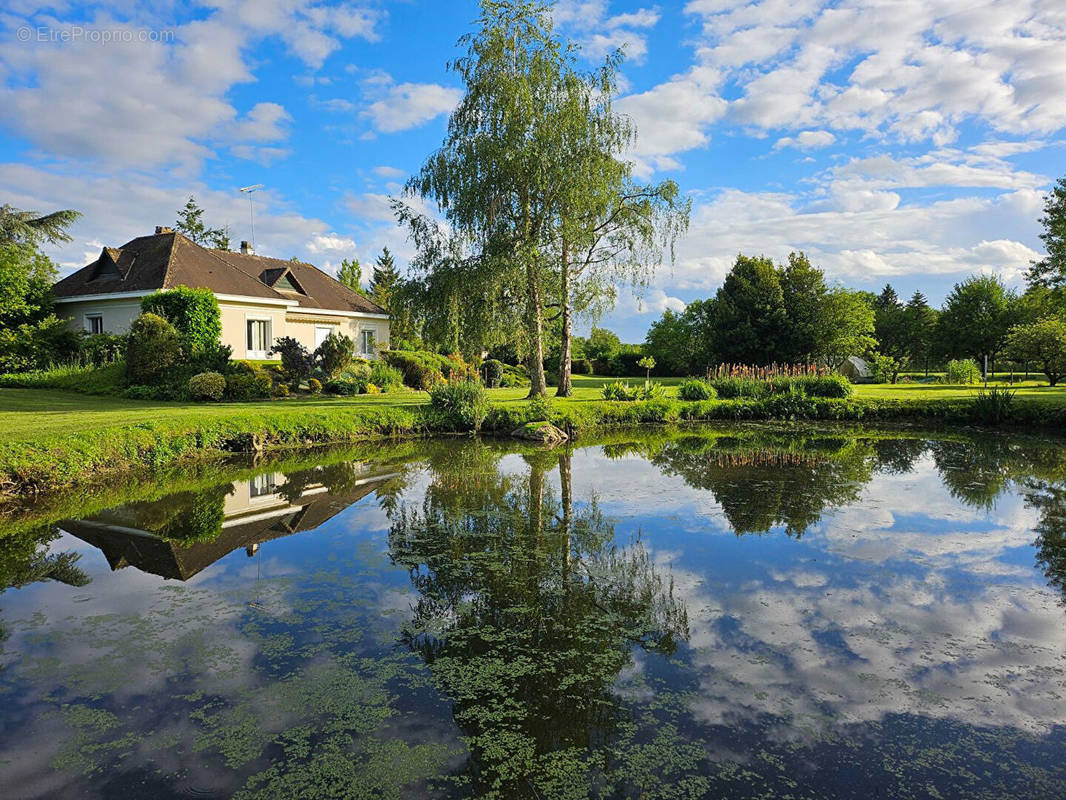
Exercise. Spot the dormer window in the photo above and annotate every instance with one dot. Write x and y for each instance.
(286, 284)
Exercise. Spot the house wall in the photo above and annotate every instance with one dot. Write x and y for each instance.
(298, 323)
(117, 314)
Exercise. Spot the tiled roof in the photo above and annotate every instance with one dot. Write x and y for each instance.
(168, 260)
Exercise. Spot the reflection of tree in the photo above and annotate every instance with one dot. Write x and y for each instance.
(1050, 500)
(193, 516)
(527, 613)
(977, 470)
(898, 456)
(24, 559)
(763, 483)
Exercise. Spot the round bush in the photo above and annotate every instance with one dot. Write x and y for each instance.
(244, 386)
(696, 389)
(207, 386)
(314, 385)
(281, 390)
(493, 372)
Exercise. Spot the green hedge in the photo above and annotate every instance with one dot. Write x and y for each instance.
(194, 312)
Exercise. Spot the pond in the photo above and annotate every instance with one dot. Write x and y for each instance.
(746, 611)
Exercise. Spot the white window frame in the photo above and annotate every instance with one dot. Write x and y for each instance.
(362, 342)
(91, 318)
(258, 355)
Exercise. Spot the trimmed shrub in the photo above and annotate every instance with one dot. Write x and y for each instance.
(422, 369)
(373, 388)
(207, 386)
(193, 312)
(281, 390)
(153, 347)
(460, 405)
(386, 378)
(335, 354)
(963, 370)
(492, 372)
(314, 386)
(248, 386)
(696, 389)
(360, 369)
(296, 361)
(344, 386)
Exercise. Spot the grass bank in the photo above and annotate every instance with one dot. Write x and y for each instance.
(51, 439)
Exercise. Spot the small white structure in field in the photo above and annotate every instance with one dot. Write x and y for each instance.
(856, 369)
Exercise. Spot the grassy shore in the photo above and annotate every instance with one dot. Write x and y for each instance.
(51, 439)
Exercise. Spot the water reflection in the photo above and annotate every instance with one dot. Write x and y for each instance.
(471, 618)
(527, 611)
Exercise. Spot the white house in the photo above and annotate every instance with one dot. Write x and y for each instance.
(261, 299)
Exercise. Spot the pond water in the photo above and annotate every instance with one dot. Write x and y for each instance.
(742, 612)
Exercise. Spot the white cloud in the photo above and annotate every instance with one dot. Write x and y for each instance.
(385, 171)
(143, 104)
(598, 32)
(806, 140)
(401, 106)
(330, 243)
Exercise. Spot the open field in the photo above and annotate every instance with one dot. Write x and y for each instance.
(29, 414)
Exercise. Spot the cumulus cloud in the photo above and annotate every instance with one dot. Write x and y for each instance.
(806, 140)
(401, 106)
(162, 101)
(598, 32)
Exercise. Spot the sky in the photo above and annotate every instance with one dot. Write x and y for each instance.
(902, 141)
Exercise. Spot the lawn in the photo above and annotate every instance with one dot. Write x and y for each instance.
(28, 414)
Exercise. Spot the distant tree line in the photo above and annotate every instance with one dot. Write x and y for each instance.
(787, 313)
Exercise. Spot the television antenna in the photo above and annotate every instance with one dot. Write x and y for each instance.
(250, 190)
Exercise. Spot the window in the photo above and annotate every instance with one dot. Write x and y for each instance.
(258, 338)
(369, 339)
(322, 333)
(94, 323)
(263, 485)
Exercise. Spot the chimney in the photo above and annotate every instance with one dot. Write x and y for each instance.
(246, 249)
(162, 229)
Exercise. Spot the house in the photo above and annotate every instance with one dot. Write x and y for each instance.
(261, 299)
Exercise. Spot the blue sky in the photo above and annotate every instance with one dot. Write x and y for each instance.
(909, 141)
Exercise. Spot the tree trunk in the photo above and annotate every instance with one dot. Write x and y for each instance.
(534, 326)
(565, 388)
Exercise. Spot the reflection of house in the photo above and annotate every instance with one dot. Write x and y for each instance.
(254, 511)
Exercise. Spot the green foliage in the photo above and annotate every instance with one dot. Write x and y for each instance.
(193, 312)
(540, 409)
(581, 366)
(884, 369)
(647, 362)
(207, 386)
(335, 354)
(423, 370)
(109, 379)
(964, 370)
(750, 313)
(314, 386)
(100, 349)
(296, 361)
(461, 405)
(976, 317)
(153, 349)
(190, 223)
(254, 385)
(31, 228)
(620, 391)
(492, 372)
(602, 345)
(994, 406)
(281, 390)
(351, 274)
(386, 377)
(682, 344)
(808, 385)
(26, 278)
(696, 389)
(652, 391)
(1043, 342)
(1050, 271)
(384, 284)
(38, 345)
(346, 387)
